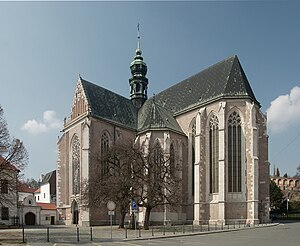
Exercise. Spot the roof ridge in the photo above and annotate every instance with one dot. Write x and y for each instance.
(106, 89)
(235, 58)
(196, 74)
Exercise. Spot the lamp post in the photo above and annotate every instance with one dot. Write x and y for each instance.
(287, 205)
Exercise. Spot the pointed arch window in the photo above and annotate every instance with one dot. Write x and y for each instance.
(104, 149)
(158, 164)
(172, 159)
(234, 153)
(157, 153)
(193, 156)
(76, 164)
(214, 154)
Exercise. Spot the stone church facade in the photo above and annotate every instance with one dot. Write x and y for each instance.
(211, 121)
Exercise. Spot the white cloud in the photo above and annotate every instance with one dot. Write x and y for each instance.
(284, 111)
(49, 122)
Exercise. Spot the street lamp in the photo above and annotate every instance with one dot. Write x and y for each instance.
(287, 204)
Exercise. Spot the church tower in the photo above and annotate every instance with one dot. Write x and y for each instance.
(138, 81)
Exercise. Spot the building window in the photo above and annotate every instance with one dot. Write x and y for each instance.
(193, 157)
(157, 165)
(44, 195)
(4, 186)
(75, 164)
(29, 202)
(4, 213)
(234, 153)
(214, 154)
(157, 153)
(172, 159)
(104, 149)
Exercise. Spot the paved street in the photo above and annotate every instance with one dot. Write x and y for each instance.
(282, 234)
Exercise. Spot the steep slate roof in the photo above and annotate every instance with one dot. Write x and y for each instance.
(46, 178)
(225, 79)
(153, 116)
(108, 105)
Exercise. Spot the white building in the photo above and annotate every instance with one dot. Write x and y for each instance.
(47, 191)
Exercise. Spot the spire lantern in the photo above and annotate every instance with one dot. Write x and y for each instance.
(138, 81)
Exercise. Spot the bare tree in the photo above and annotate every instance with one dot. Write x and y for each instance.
(111, 178)
(158, 181)
(32, 183)
(13, 160)
(126, 171)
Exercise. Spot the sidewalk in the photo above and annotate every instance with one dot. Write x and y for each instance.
(74, 235)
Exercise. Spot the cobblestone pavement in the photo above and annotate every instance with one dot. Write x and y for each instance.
(103, 235)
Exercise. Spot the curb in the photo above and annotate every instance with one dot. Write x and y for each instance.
(199, 233)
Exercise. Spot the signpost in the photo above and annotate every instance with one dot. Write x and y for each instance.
(134, 210)
(111, 207)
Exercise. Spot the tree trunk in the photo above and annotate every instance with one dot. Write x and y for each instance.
(122, 219)
(147, 218)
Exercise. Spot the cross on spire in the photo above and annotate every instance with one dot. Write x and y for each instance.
(138, 28)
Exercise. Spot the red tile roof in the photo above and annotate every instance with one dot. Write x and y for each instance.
(47, 206)
(37, 190)
(25, 188)
(7, 165)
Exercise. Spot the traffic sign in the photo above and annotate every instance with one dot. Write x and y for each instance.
(111, 205)
(133, 206)
(111, 212)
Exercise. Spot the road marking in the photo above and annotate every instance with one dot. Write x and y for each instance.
(98, 244)
(128, 243)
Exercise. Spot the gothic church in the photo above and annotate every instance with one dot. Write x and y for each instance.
(211, 121)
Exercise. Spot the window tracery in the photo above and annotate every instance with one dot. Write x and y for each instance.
(234, 153)
(76, 164)
(214, 154)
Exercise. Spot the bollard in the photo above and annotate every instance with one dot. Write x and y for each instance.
(174, 229)
(208, 226)
(152, 232)
(77, 233)
(192, 228)
(215, 225)
(183, 231)
(125, 232)
(239, 224)
(164, 231)
(200, 226)
(222, 226)
(23, 233)
(233, 224)
(228, 225)
(91, 233)
(48, 240)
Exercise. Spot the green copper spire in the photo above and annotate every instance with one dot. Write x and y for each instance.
(138, 81)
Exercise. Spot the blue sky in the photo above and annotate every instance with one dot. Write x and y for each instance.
(45, 45)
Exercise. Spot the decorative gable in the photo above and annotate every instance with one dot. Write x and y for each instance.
(80, 103)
